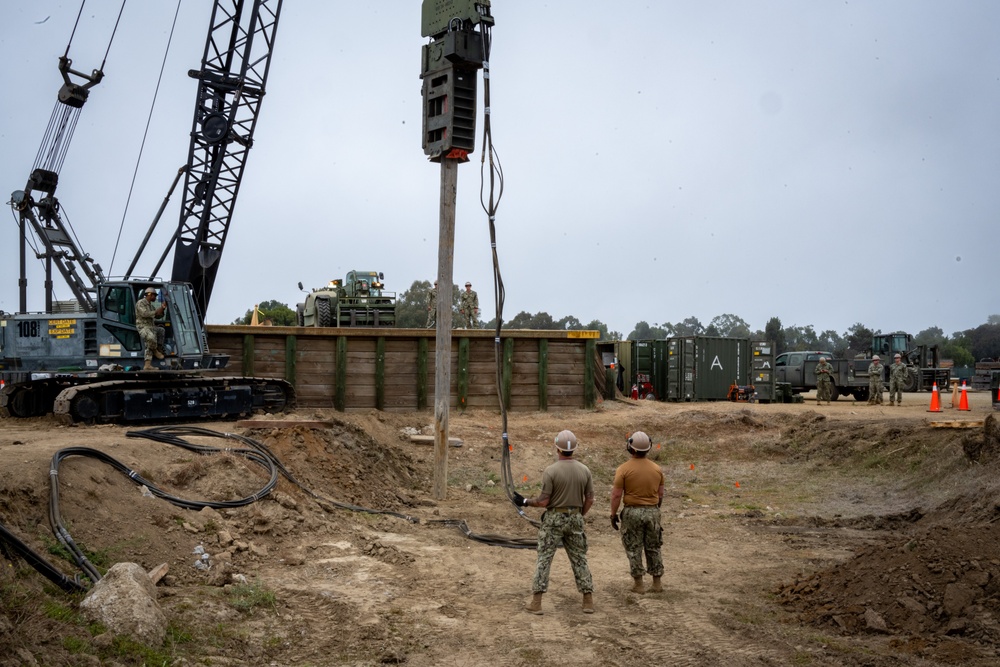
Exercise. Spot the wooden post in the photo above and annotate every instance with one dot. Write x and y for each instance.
(589, 389)
(291, 352)
(340, 382)
(442, 352)
(380, 373)
(248, 354)
(543, 374)
(422, 373)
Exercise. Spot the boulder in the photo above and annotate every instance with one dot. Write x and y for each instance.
(124, 601)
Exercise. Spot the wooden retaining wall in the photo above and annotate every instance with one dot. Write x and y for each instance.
(393, 369)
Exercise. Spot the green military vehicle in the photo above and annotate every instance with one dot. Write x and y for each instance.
(358, 300)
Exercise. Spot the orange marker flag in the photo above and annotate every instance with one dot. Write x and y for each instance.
(525, 479)
(737, 485)
(692, 466)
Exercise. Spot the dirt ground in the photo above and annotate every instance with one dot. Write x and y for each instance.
(794, 535)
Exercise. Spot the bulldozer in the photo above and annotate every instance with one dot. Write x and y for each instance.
(359, 300)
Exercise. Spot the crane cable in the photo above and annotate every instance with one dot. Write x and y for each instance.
(110, 40)
(490, 201)
(145, 135)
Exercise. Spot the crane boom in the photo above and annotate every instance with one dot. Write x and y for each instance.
(231, 87)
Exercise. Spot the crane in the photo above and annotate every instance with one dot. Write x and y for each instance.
(79, 360)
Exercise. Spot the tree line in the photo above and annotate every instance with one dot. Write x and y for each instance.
(964, 348)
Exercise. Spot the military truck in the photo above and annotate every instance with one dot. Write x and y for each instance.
(359, 300)
(850, 376)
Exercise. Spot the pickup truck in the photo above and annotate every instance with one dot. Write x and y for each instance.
(850, 376)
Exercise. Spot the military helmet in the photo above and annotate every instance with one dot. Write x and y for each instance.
(876, 358)
(566, 441)
(640, 442)
(898, 356)
(468, 284)
(149, 290)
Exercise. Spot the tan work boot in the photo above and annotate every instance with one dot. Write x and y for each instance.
(638, 586)
(588, 603)
(657, 586)
(536, 604)
(148, 366)
(157, 354)
(892, 402)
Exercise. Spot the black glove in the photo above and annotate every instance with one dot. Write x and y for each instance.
(614, 521)
(518, 499)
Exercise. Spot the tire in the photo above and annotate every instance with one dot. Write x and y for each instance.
(861, 394)
(834, 392)
(323, 313)
(912, 380)
(300, 316)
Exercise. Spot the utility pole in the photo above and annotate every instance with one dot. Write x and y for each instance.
(448, 70)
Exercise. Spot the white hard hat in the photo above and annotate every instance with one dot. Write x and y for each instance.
(565, 441)
(640, 442)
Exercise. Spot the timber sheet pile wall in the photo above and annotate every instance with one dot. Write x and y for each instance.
(393, 369)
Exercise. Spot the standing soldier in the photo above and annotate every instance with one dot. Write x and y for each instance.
(146, 312)
(875, 381)
(432, 298)
(639, 482)
(897, 378)
(824, 381)
(567, 495)
(468, 306)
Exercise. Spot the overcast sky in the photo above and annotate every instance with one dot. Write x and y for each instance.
(826, 162)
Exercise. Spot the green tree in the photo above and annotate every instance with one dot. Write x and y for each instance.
(930, 336)
(730, 326)
(774, 333)
(279, 314)
(643, 331)
(688, 327)
(834, 342)
(411, 305)
(859, 339)
(983, 341)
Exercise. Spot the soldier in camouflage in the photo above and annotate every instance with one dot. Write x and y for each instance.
(468, 306)
(875, 381)
(146, 312)
(897, 378)
(639, 483)
(432, 297)
(824, 381)
(567, 495)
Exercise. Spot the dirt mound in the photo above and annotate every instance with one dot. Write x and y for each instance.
(932, 583)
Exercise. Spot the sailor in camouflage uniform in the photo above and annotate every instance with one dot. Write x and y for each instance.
(639, 483)
(567, 495)
(875, 381)
(468, 306)
(824, 381)
(897, 378)
(146, 312)
(432, 297)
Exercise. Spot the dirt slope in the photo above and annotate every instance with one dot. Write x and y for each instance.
(795, 534)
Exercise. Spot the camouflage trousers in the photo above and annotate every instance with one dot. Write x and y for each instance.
(875, 392)
(642, 534)
(153, 338)
(823, 390)
(896, 391)
(565, 529)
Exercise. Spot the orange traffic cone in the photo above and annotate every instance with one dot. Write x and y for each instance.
(963, 404)
(935, 400)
